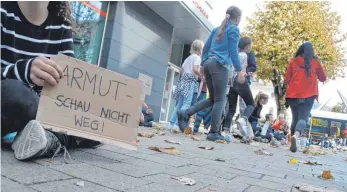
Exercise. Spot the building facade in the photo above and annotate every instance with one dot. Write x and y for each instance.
(134, 37)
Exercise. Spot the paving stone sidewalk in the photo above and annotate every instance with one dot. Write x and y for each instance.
(110, 168)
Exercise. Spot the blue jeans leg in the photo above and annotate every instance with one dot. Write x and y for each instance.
(183, 103)
(200, 114)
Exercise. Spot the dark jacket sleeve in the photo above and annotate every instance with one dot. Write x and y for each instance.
(251, 63)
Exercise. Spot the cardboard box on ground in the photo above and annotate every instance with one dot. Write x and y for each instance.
(93, 103)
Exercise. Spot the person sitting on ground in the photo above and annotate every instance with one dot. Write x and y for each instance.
(324, 142)
(32, 32)
(278, 123)
(146, 119)
(260, 100)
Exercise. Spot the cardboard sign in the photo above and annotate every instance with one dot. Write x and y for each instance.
(93, 103)
(147, 83)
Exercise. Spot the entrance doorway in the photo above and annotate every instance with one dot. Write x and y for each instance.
(168, 104)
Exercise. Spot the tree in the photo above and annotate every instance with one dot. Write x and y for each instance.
(278, 28)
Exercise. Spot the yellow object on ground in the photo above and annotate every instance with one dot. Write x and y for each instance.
(293, 161)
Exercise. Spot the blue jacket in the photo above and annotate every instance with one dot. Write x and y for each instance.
(226, 50)
(251, 65)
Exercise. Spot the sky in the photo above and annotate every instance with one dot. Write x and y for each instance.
(248, 7)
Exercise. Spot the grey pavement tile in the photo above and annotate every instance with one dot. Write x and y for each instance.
(146, 163)
(101, 176)
(7, 157)
(69, 186)
(184, 170)
(212, 179)
(91, 158)
(156, 187)
(170, 160)
(107, 154)
(131, 170)
(8, 185)
(29, 172)
(262, 183)
(235, 187)
(259, 189)
(165, 179)
(235, 171)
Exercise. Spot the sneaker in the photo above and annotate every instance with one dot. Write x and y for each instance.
(293, 146)
(242, 124)
(35, 142)
(258, 139)
(183, 120)
(91, 144)
(217, 136)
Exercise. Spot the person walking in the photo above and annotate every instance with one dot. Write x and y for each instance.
(302, 88)
(187, 85)
(203, 115)
(219, 54)
(244, 91)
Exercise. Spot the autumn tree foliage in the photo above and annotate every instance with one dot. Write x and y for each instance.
(278, 28)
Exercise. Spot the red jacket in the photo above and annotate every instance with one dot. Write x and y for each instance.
(299, 84)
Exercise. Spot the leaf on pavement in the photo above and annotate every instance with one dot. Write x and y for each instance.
(80, 183)
(185, 180)
(173, 142)
(160, 133)
(168, 150)
(175, 131)
(326, 175)
(221, 141)
(310, 188)
(311, 163)
(346, 159)
(219, 159)
(206, 148)
(293, 161)
(147, 135)
(188, 131)
(196, 138)
(263, 152)
(212, 189)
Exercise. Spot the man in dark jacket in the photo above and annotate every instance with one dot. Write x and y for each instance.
(251, 65)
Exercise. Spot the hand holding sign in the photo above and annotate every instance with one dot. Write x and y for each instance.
(45, 70)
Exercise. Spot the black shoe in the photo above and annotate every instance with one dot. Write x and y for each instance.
(293, 145)
(217, 136)
(87, 143)
(182, 120)
(34, 142)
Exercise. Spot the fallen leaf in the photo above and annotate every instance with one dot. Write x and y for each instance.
(196, 138)
(346, 159)
(221, 141)
(311, 163)
(168, 150)
(173, 142)
(185, 180)
(207, 148)
(263, 152)
(212, 189)
(80, 183)
(147, 135)
(161, 133)
(219, 159)
(175, 131)
(326, 175)
(293, 161)
(188, 131)
(310, 188)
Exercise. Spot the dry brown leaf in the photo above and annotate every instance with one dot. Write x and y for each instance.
(310, 188)
(161, 133)
(263, 152)
(168, 150)
(326, 175)
(188, 131)
(196, 138)
(173, 142)
(147, 135)
(219, 159)
(207, 148)
(346, 159)
(175, 131)
(311, 163)
(221, 141)
(212, 189)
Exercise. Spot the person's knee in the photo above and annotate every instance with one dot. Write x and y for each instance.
(300, 126)
(16, 95)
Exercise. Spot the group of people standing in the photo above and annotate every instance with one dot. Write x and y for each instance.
(224, 66)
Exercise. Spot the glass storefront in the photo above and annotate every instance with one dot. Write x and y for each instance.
(88, 23)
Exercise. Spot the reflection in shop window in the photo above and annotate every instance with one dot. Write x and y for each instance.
(88, 22)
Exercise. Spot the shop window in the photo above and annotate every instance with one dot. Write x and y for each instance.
(88, 23)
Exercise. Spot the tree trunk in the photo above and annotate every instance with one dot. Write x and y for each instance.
(279, 91)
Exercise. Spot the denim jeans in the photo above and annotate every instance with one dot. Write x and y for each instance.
(203, 115)
(216, 76)
(244, 91)
(301, 109)
(148, 119)
(182, 103)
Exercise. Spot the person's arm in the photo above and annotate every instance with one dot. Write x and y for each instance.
(145, 106)
(320, 73)
(233, 41)
(196, 65)
(251, 63)
(207, 45)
